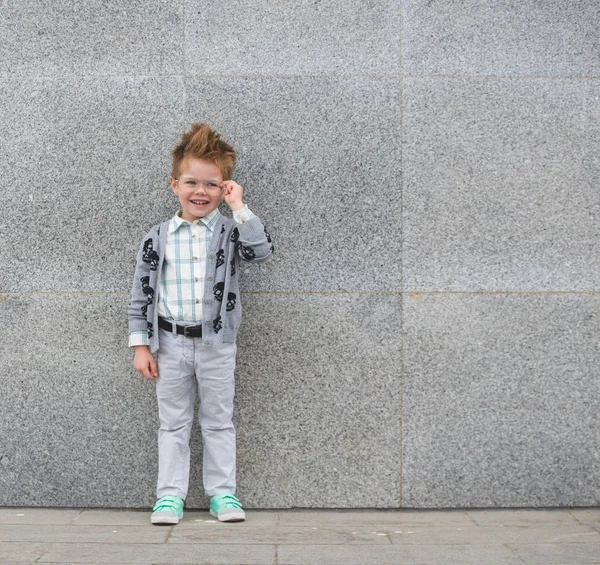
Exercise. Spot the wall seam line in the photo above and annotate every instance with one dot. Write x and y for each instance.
(328, 292)
(401, 170)
(284, 76)
(205, 75)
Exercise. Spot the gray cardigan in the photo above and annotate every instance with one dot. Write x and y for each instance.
(222, 308)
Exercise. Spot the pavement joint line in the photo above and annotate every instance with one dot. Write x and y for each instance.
(169, 534)
(43, 553)
(513, 553)
(574, 517)
(72, 522)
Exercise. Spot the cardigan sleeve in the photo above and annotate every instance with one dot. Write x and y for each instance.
(254, 243)
(142, 294)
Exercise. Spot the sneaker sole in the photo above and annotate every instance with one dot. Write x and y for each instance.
(229, 517)
(166, 520)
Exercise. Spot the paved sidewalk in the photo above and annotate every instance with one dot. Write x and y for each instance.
(304, 537)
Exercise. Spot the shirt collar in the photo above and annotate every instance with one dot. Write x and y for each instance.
(209, 221)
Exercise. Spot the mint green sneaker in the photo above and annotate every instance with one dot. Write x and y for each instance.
(226, 508)
(167, 510)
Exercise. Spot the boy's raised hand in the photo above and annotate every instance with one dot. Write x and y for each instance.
(232, 194)
(144, 362)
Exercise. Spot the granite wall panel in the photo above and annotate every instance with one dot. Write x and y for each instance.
(79, 425)
(510, 38)
(500, 397)
(319, 158)
(83, 158)
(282, 38)
(500, 184)
(97, 37)
(319, 400)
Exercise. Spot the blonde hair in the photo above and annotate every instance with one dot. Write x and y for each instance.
(202, 142)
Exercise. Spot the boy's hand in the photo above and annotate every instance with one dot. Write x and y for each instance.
(144, 362)
(232, 194)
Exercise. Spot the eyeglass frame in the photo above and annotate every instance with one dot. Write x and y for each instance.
(203, 183)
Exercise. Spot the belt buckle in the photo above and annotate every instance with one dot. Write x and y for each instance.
(190, 328)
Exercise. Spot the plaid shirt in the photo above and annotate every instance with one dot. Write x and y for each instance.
(182, 283)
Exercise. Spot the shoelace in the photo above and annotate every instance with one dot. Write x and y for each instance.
(168, 502)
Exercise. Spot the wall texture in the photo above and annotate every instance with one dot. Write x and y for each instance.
(429, 172)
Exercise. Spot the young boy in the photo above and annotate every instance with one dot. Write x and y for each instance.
(186, 308)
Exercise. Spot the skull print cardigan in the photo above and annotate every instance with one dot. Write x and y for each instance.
(231, 243)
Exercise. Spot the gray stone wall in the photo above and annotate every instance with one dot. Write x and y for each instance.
(427, 334)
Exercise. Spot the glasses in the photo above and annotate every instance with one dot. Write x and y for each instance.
(187, 183)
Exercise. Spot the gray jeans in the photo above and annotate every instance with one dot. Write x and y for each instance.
(187, 367)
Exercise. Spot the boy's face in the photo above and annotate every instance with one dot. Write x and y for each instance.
(198, 188)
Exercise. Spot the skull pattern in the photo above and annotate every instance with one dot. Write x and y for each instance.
(217, 324)
(149, 255)
(247, 252)
(269, 240)
(268, 236)
(220, 257)
(148, 291)
(231, 298)
(235, 234)
(232, 263)
(218, 291)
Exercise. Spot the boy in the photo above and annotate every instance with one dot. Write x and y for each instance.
(185, 306)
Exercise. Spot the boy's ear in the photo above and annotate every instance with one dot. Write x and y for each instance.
(173, 184)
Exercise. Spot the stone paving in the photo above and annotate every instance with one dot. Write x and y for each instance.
(304, 537)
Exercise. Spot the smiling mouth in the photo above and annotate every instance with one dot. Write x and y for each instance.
(199, 202)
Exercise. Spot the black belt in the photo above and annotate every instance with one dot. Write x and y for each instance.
(187, 331)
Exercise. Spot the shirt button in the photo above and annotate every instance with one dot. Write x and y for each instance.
(207, 301)
(194, 236)
(211, 256)
(197, 301)
(209, 277)
(207, 341)
(195, 258)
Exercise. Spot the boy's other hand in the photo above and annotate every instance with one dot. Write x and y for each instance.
(144, 362)
(232, 194)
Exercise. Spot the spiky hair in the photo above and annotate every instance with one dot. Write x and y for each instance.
(202, 142)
